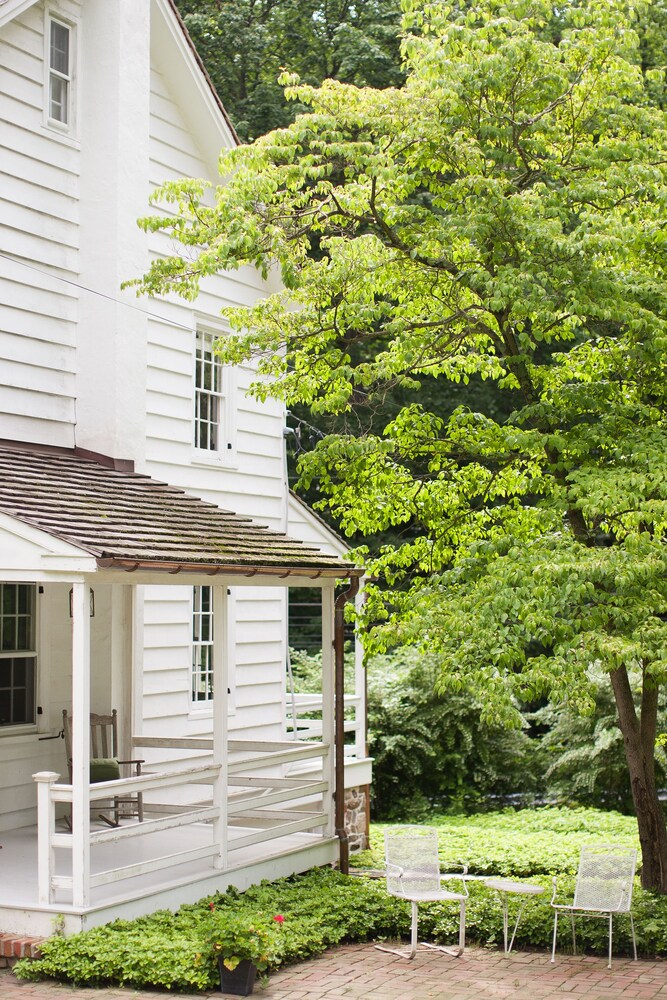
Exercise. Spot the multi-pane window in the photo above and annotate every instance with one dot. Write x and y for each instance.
(202, 644)
(60, 72)
(209, 395)
(17, 654)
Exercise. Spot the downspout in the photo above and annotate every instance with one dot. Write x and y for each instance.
(339, 729)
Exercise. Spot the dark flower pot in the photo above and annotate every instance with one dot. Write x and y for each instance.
(240, 981)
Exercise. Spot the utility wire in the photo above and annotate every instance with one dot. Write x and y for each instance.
(94, 291)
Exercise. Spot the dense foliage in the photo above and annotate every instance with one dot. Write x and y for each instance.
(246, 44)
(430, 751)
(498, 216)
(322, 908)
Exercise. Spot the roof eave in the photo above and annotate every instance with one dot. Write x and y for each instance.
(339, 571)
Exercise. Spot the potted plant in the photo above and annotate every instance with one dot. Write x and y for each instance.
(243, 945)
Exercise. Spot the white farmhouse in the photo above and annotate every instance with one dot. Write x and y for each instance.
(147, 535)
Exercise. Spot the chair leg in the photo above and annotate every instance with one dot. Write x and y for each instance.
(462, 927)
(553, 946)
(611, 931)
(413, 930)
(574, 936)
(634, 941)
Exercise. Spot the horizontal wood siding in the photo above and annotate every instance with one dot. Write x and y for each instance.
(256, 673)
(39, 230)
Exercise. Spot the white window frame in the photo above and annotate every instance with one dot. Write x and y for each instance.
(203, 649)
(219, 645)
(13, 728)
(65, 128)
(221, 398)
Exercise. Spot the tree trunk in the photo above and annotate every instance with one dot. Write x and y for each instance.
(639, 739)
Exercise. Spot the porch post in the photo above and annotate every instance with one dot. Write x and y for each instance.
(328, 763)
(221, 600)
(80, 744)
(46, 825)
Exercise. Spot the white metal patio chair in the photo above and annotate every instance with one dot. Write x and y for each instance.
(605, 880)
(413, 874)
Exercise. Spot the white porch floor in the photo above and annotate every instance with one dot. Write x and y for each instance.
(182, 883)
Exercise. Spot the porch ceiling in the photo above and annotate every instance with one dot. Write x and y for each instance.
(132, 522)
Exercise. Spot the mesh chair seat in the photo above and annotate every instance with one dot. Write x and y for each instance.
(413, 874)
(605, 880)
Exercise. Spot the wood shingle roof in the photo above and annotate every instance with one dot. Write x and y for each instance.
(132, 521)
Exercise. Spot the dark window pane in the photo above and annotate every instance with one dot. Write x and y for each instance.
(17, 691)
(23, 633)
(8, 634)
(24, 599)
(59, 48)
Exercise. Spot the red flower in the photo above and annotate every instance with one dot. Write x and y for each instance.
(279, 919)
(211, 905)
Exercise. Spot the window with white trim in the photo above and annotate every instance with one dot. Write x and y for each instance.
(18, 655)
(209, 394)
(202, 644)
(214, 409)
(60, 62)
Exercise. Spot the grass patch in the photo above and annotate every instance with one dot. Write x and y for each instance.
(324, 908)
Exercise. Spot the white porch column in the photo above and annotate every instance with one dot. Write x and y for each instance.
(221, 617)
(80, 744)
(328, 719)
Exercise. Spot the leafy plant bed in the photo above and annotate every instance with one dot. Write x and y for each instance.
(324, 908)
(516, 843)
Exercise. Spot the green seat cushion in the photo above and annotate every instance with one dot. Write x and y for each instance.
(104, 769)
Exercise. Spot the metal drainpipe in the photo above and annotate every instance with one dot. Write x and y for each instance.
(339, 737)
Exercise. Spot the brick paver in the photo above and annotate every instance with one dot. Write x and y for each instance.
(360, 972)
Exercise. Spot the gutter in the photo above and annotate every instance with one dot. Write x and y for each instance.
(279, 570)
(339, 727)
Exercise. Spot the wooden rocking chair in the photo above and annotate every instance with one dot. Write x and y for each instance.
(105, 765)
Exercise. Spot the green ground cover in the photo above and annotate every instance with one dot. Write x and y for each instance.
(324, 908)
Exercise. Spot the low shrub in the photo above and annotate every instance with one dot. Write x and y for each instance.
(324, 908)
(516, 843)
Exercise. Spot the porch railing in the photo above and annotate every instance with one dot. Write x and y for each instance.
(305, 721)
(260, 804)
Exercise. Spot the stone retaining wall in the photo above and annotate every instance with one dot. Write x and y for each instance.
(357, 804)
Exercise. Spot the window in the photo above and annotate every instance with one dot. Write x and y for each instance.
(209, 398)
(202, 644)
(18, 658)
(60, 72)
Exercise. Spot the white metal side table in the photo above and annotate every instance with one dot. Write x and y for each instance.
(505, 888)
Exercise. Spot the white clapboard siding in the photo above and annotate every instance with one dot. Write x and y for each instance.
(39, 228)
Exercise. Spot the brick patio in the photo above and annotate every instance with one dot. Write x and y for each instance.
(353, 972)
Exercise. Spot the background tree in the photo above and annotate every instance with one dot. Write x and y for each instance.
(245, 44)
(499, 216)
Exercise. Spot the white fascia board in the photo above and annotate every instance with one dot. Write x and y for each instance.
(9, 9)
(25, 548)
(210, 129)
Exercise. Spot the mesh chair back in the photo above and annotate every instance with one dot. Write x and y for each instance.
(411, 854)
(605, 879)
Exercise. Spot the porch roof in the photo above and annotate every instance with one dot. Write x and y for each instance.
(130, 521)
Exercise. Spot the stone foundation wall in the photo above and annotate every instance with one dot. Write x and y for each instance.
(356, 817)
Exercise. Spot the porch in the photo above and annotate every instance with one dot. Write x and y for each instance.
(274, 824)
(249, 785)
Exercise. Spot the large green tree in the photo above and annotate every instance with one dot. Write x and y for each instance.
(501, 216)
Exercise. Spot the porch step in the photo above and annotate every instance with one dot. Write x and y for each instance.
(13, 947)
